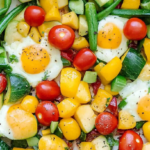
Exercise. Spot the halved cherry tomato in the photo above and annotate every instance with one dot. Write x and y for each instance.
(34, 16)
(113, 107)
(130, 140)
(84, 59)
(135, 29)
(3, 82)
(61, 37)
(106, 123)
(96, 86)
(46, 112)
(47, 90)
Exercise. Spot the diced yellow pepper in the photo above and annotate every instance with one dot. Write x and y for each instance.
(146, 146)
(52, 142)
(70, 128)
(23, 28)
(35, 35)
(147, 48)
(110, 71)
(83, 94)
(146, 130)
(126, 120)
(46, 132)
(80, 43)
(71, 19)
(108, 89)
(15, 148)
(62, 3)
(67, 107)
(98, 68)
(130, 4)
(86, 146)
(69, 81)
(101, 101)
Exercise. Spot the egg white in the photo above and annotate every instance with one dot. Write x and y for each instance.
(53, 68)
(107, 54)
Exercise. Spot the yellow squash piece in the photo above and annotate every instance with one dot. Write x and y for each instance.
(126, 120)
(83, 94)
(70, 128)
(130, 4)
(15, 148)
(52, 142)
(110, 71)
(35, 35)
(86, 146)
(146, 146)
(71, 19)
(69, 81)
(83, 25)
(67, 107)
(23, 28)
(98, 68)
(46, 132)
(101, 101)
(108, 89)
(80, 43)
(62, 3)
(147, 48)
(146, 130)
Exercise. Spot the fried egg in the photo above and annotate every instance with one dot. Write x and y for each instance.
(17, 124)
(137, 98)
(111, 40)
(34, 60)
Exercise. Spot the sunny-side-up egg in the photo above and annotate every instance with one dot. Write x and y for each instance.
(16, 123)
(138, 99)
(111, 40)
(34, 60)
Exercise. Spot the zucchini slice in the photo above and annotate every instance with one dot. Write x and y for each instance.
(1, 100)
(17, 88)
(3, 59)
(132, 64)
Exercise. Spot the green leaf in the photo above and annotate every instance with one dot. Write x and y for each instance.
(122, 103)
(13, 58)
(111, 141)
(45, 75)
(66, 148)
(139, 124)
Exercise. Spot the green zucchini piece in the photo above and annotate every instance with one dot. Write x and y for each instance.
(83, 26)
(58, 132)
(118, 83)
(77, 6)
(3, 59)
(1, 100)
(91, 16)
(148, 31)
(140, 45)
(65, 62)
(33, 141)
(122, 103)
(90, 77)
(53, 126)
(24, 1)
(132, 64)
(4, 146)
(101, 2)
(145, 4)
(17, 88)
(82, 136)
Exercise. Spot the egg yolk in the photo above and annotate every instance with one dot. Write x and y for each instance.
(110, 36)
(34, 59)
(143, 108)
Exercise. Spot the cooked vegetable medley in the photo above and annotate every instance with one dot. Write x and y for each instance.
(74, 74)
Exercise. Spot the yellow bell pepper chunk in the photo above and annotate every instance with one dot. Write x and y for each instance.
(69, 81)
(35, 35)
(101, 101)
(70, 128)
(15, 148)
(110, 71)
(98, 68)
(86, 146)
(52, 142)
(108, 89)
(80, 43)
(67, 107)
(62, 3)
(46, 132)
(126, 120)
(146, 130)
(146, 146)
(130, 4)
(83, 94)
(71, 19)
(147, 48)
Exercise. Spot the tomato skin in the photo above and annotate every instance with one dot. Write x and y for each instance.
(47, 90)
(46, 112)
(3, 82)
(34, 16)
(61, 37)
(113, 107)
(96, 86)
(130, 140)
(106, 123)
(84, 59)
(135, 29)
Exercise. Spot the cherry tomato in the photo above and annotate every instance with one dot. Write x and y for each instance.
(130, 140)
(34, 16)
(47, 90)
(61, 37)
(3, 82)
(46, 112)
(106, 123)
(84, 59)
(113, 107)
(135, 29)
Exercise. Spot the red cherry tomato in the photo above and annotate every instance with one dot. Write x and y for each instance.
(3, 82)
(135, 29)
(106, 123)
(47, 90)
(61, 37)
(46, 112)
(130, 140)
(34, 16)
(84, 59)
